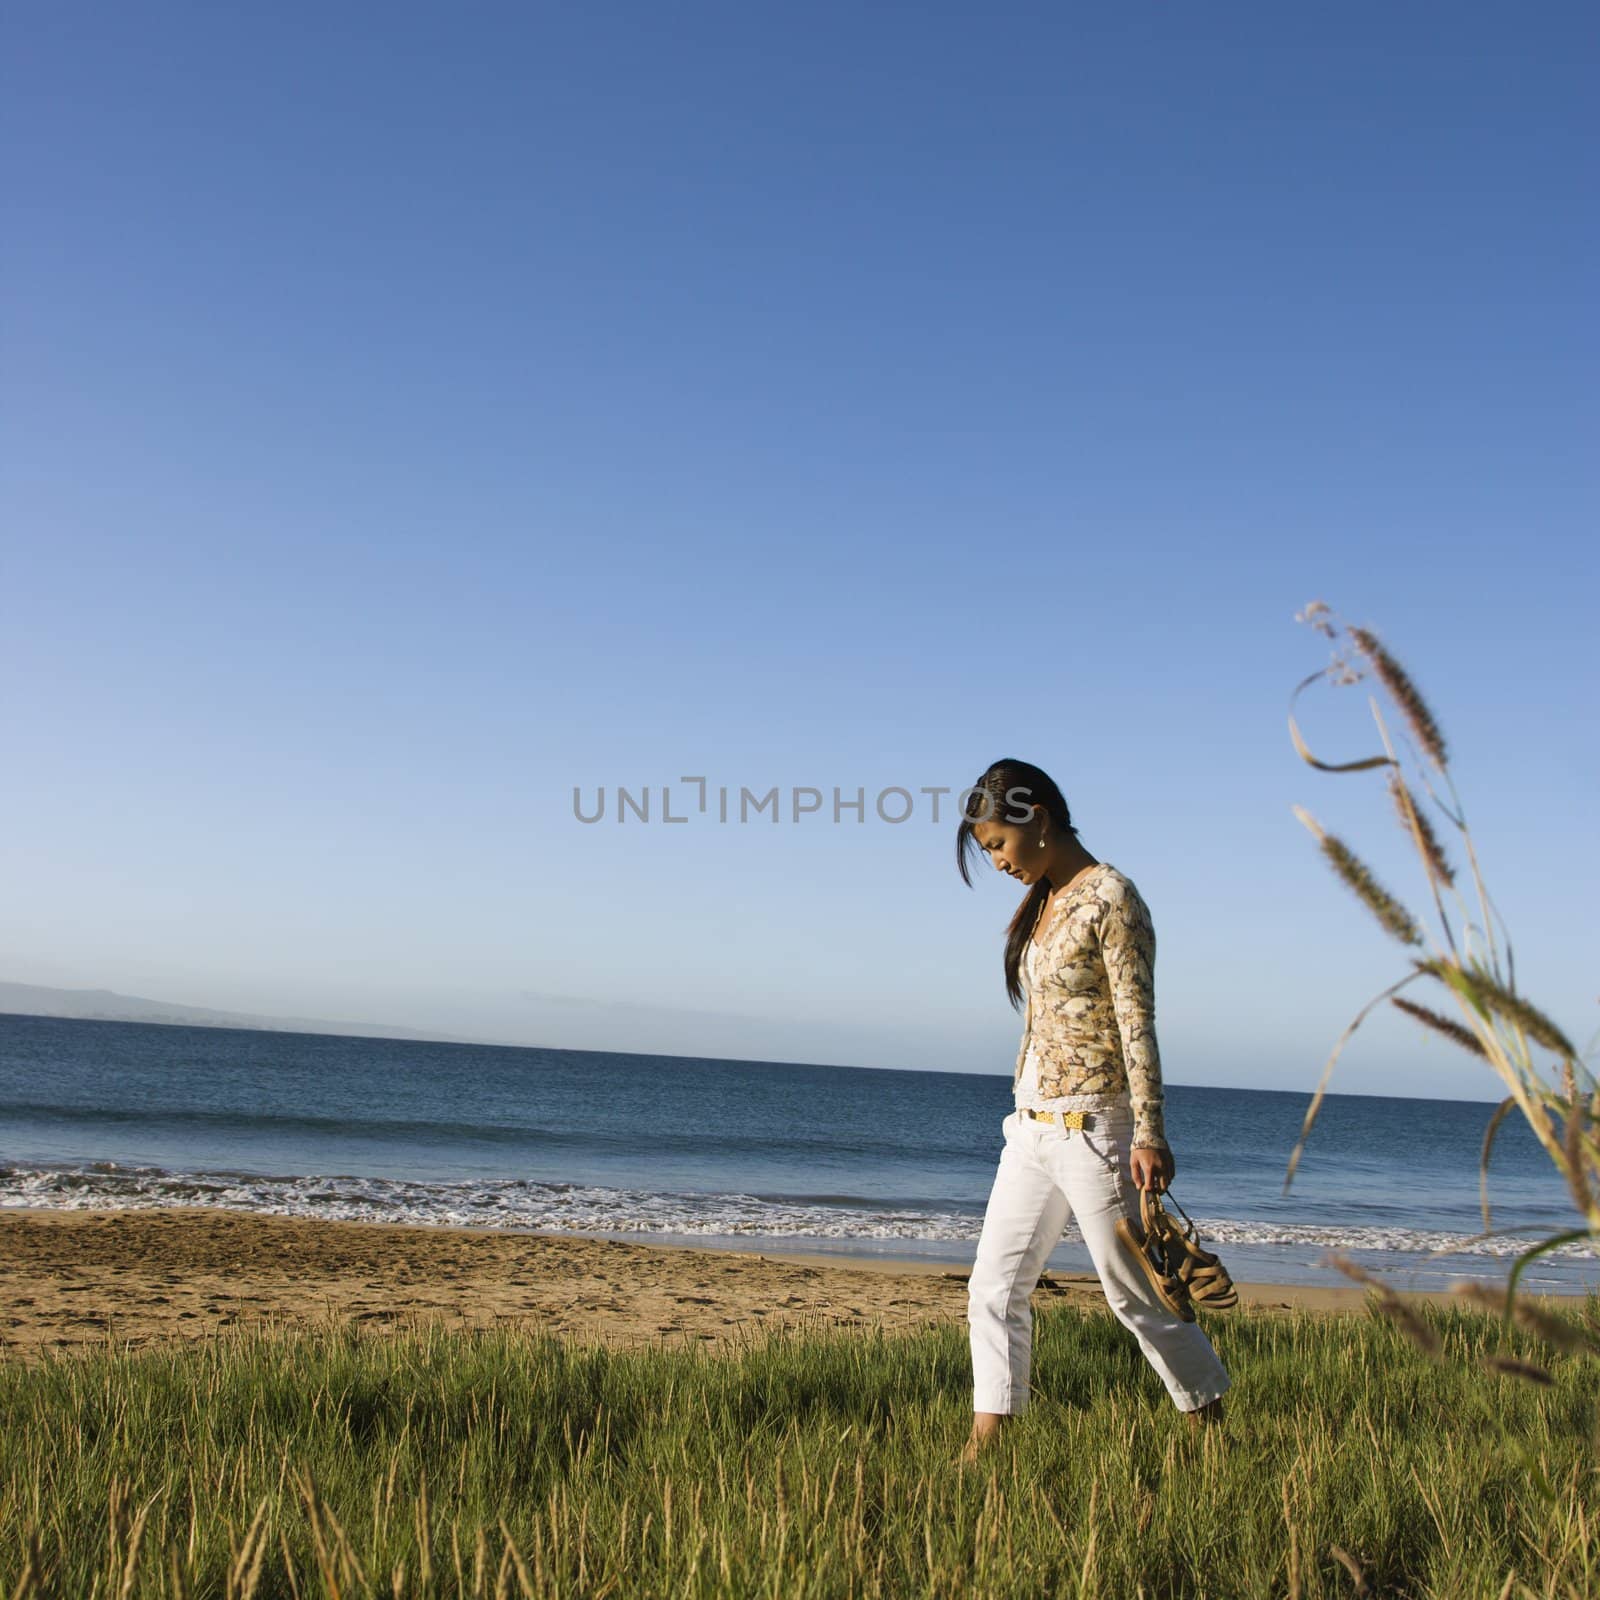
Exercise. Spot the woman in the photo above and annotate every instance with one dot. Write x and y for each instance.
(1088, 1126)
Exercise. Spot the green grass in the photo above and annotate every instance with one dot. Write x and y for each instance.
(818, 1464)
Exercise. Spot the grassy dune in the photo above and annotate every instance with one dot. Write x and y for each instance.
(424, 1463)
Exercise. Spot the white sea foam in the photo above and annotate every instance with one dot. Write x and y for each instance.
(581, 1208)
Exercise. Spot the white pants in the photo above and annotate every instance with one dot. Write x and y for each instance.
(1046, 1175)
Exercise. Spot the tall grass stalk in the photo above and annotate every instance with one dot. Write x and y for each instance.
(1469, 965)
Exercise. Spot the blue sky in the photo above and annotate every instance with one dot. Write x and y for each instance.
(414, 413)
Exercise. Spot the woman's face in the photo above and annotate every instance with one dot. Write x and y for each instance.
(1012, 846)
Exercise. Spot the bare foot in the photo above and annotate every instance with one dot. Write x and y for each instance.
(986, 1426)
(1208, 1416)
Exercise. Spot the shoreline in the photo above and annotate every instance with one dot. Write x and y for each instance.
(74, 1279)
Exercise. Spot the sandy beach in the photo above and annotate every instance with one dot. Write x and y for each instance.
(74, 1279)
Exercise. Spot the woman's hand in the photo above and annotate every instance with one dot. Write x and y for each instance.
(1152, 1169)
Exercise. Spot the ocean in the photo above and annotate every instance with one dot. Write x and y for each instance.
(773, 1156)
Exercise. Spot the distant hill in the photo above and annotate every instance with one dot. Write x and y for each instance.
(106, 1005)
(527, 1019)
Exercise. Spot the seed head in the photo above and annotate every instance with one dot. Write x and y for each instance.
(1494, 996)
(1390, 1305)
(1555, 1330)
(1415, 821)
(1404, 693)
(1318, 616)
(1382, 904)
(1518, 1369)
(1451, 1029)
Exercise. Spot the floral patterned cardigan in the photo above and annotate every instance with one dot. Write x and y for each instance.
(1091, 1015)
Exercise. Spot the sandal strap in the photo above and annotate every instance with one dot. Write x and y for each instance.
(1174, 1252)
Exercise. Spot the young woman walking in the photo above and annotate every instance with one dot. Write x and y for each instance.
(1087, 1131)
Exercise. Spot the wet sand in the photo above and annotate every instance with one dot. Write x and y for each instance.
(76, 1279)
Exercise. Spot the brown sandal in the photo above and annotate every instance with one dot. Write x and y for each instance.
(1181, 1270)
(1205, 1277)
(1152, 1249)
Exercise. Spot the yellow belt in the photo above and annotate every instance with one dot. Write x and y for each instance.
(1066, 1119)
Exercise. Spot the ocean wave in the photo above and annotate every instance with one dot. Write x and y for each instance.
(430, 1132)
(524, 1204)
